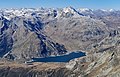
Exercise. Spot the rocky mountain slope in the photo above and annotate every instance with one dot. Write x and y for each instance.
(27, 33)
(23, 39)
(33, 33)
(10, 69)
(103, 62)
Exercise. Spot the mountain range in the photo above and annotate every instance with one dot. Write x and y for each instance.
(28, 33)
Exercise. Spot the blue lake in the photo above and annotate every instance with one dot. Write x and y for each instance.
(63, 58)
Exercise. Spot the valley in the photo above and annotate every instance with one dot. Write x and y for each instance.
(44, 42)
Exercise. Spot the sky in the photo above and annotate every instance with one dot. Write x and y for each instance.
(93, 4)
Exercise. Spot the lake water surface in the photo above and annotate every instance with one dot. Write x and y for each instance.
(63, 58)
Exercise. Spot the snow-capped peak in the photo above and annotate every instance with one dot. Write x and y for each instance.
(72, 11)
(103, 10)
(111, 10)
(50, 13)
(84, 9)
(69, 9)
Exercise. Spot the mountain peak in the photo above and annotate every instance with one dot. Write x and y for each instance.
(111, 10)
(69, 9)
(72, 11)
(84, 9)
